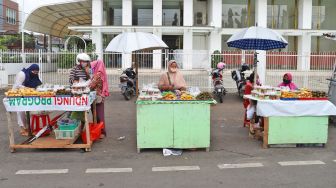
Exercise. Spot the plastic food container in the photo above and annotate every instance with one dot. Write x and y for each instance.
(66, 134)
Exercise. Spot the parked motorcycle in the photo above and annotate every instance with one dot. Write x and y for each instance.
(128, 83)
(217, 81)
(239, 77)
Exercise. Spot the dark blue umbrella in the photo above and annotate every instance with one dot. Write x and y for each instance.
(257, 38)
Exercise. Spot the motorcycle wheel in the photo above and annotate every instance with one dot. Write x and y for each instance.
(220, 98)
(127, 94)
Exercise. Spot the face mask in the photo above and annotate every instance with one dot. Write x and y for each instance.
(84, 64)
(173, 70)
(286, 81)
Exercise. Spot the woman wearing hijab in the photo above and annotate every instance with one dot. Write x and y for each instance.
(27, 77)
(100, 85)
(287, 82)
(173, 79)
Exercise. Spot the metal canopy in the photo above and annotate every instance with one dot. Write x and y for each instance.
(55, 19)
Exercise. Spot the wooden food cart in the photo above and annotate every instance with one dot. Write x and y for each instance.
(173, 124)
(294, 122)
(57, 103)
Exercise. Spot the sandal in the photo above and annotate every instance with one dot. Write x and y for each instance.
(102, 136)
(24, 132)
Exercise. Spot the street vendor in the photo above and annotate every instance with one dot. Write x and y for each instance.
(27, 77)
(173, 79)
(81, 70)
(287, 82)
(100, 85)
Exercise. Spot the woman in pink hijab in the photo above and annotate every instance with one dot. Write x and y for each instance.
(287, 82)
(100, 85)
(173, 79)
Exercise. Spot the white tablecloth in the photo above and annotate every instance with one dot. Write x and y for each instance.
(267, 108)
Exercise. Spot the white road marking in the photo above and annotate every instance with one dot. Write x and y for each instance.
(241, 165)
(175, 168)
(293, 163)
(107, 170)
(335, 161)
(47, 171)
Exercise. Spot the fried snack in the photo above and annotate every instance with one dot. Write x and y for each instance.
(187, 97)
(204, 96)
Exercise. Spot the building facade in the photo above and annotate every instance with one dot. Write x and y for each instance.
(191, 25)
(9, 21)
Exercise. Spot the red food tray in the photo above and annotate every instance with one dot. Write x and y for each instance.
(314, 98)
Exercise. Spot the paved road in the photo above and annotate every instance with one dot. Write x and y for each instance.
(234, 159)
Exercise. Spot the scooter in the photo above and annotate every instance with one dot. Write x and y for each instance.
(128, 83)
(217, 81)
(239, 77)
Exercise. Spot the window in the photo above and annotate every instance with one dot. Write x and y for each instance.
(113, 12)
(172, 12)
(323, 14)
(282, 14)
(142, 12)
(11, 16)
(238, 13)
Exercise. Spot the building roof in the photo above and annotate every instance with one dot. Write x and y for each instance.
(54, 19)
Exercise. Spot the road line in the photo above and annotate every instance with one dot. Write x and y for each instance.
(175, 168)
(241, 165)
(335, 161)
(108, 170)
(293, 163)
(47, 171)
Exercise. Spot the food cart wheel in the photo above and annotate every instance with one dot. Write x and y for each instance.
(138, 150)
(87, 149)
(12, 150)
(207, 149)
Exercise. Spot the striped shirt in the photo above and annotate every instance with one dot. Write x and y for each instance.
(76, 73)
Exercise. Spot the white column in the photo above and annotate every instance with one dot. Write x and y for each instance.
(157, 55)
(261, 20)
(187, 49)
(304, 42)
(215, 20)
(305, 14)
(126, 12)
(97, 20)
(304, 50)
(97, 40)
(126, 21)
(215, 13)
(188, 13)
(157, 12)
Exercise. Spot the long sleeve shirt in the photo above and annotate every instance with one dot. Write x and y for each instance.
(76, 73)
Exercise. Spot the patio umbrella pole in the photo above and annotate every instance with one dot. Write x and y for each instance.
(255, 62)
(136, 76)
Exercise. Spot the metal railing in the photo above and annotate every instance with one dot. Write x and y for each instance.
(308, 71)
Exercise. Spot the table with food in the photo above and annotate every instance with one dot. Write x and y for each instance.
(38, 105)
(280, 116)
(173, 119)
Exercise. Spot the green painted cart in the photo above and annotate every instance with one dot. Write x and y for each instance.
(173, 124)
(295, 130)
(294, 122)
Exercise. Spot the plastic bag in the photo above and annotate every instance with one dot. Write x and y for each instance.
(194, 91)
(250, 112)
